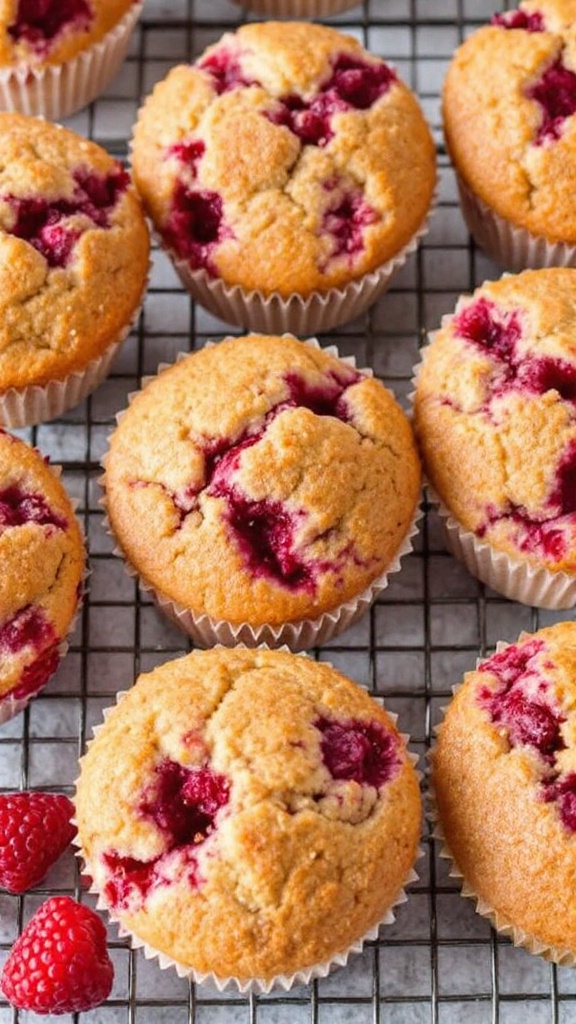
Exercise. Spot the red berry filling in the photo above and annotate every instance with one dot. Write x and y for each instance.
(562, 791)
(30, 628)
(184, 804)
(555, 92)
(346, 223)
(225, 70)
(362, 752)
(490, 328)
(18, 507)
(196, 226)
(308, 119)
(189, 153)
(43, 224)
(38, 22)
(533, 22)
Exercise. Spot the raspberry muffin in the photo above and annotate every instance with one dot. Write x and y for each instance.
(288, 172)
(74, 253)
(495, 417)
(262, 489)
(504, 777)
(58, 55)
(509, 102)
(254, 847)
(42, 557)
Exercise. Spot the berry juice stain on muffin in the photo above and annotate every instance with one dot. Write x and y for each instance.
(531, 21)
(361, 751)
(555, 93)
(19, 506)
(196, 225)
(40, 22)
(29, 632)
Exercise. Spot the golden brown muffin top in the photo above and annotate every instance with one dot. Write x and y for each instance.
(34, 33)
(504, 775)
(249, 813)
(261, 480)
(286, 159)
(495, 415)
(509, 102)
(74, 251)
(42, 558)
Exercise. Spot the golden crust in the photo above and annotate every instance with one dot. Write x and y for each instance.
(55, 320)
(300, 864)
(277, 192)
(477, 433)
(348, 490)
(491, 124)
(509, 844)
(71, 41)
(42, 566)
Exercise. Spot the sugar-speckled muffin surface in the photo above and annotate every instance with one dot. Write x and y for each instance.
(248, 813)
(42, 559)
(285, 160)
(495, 415)
(509, 106)
(504, 775)
(261, 480)
(74, 251)
(34, 32)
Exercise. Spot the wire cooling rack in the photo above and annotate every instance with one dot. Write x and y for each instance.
(439, 963)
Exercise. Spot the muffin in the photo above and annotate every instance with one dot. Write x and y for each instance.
(288, 172)
(74, 254)
(42, 557)
(248, 815)
(504, 778)
(495, 417)
(56, 57)
(509, 101)
(262, 489)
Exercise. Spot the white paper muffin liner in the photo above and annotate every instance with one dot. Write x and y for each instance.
(256, 985)
(514, 248)
(55, 91)
(207, 631)
(12, 706)
(300, 9)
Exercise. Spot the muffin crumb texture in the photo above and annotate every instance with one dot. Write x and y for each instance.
(37, 32)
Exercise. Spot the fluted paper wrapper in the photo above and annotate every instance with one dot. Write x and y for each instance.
(55, 91)
(258, 985)
(512, 247)
(297, 636)
(300, 9)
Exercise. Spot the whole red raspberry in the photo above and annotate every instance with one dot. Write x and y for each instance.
(34, 830)
(60, 963)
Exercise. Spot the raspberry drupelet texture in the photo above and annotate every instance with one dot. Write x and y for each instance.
(288, 161)
(35, 829)
(260, 814)
(39, 32)
(275, 481)
(504, 778)
(500, 373)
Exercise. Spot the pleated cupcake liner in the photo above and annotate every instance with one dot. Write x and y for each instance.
(55, 91)
(206, 631)
(255, 985)
(301, 9)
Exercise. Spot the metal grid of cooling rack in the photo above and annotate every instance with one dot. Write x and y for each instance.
(439, 963)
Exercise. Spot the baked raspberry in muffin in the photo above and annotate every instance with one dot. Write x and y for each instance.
(74, 253)
(42, 558)
(248, 814)
(262, 488)
(504, 777)
(509, 102)
(57, 55)
(284, 171)
(495, 416)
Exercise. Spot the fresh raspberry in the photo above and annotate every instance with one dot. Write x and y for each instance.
(60, 963)
(34, 830)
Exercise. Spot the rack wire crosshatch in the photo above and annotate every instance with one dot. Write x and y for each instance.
(439, 963)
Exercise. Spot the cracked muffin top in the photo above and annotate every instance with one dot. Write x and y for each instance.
(42, 558)
(35, 32)
(287, 159)
(508, 744)
(74, 251)
(509, 102)
(495, 415)
(248, 813)
(261, 481)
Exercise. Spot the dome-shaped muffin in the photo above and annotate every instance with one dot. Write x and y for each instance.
(261, 481)
(74, 255)
(495, 417)
(286, 161)
(42, 558)
(504, 777)
(509, 102)
(248, 813)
